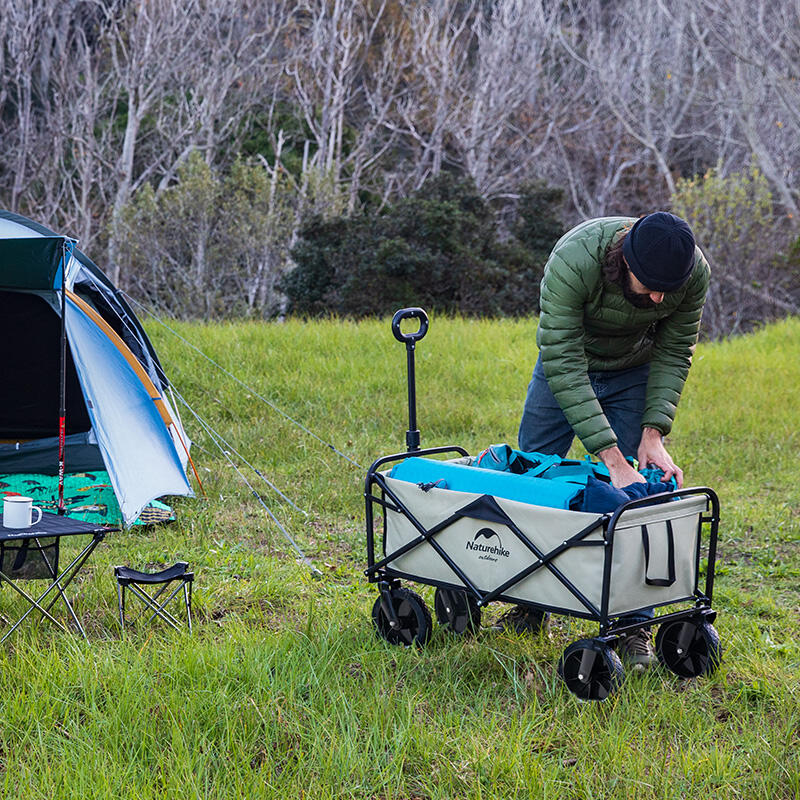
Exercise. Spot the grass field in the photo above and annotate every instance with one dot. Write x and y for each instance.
(285, 691)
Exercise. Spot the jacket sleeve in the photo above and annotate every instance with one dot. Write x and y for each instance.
(673, 347)
(565, 289)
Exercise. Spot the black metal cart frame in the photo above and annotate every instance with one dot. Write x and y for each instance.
(379, 570)
(686, 643)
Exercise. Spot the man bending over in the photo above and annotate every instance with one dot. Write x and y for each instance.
(621, 301)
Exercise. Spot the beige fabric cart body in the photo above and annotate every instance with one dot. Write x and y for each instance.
(546, 557)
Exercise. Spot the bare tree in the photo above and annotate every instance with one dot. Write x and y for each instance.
(51, 88)
(74, 194)
(648, 71)
(483, 92)
(236, 73)
(753, 48)
(23, 27)
(592, 153)
(438, 48)
(345, 70)
(104, 100)
(148, 42)
(186, 73)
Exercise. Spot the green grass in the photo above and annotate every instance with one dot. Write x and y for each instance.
(284, 691)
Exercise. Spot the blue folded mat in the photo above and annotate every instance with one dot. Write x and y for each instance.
(535, 478)
(461, 478)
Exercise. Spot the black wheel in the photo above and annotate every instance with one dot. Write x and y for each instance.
(414, 619)
(591, 669)
(457, 610)
(689, 648)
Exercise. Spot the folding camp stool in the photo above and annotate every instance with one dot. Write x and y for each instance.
(133, 579)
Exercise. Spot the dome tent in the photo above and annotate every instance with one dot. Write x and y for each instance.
(106, 376)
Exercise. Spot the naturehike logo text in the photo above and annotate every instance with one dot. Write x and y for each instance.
(488, 550)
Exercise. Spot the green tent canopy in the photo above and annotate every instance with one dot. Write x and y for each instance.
(32, 264)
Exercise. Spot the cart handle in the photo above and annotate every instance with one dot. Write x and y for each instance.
(409, 313)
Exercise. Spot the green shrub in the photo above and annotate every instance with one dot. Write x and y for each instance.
(439, 248)
(538, 225)
(739, 228)
(211, 244)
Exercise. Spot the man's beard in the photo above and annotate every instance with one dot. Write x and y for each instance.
(634, 298)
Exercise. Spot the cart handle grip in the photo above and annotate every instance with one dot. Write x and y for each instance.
(410, 313)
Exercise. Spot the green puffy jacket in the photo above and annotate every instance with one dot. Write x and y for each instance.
(587, 324)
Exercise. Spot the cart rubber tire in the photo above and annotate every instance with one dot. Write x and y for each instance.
(701, 654)
(604, 671)
(457, 610)
(413, 615)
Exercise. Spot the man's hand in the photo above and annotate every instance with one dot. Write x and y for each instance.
(620, 470)
(652, 451)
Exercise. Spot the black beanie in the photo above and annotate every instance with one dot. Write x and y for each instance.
(659, 250)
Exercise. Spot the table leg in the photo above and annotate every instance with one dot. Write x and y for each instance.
(60, 583)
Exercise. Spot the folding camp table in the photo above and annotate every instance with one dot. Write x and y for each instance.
(32, 552)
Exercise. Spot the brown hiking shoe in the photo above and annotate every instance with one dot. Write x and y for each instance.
(521, 619)
(636, 650)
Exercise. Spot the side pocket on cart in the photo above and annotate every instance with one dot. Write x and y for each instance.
(658, 543)
(656, 555)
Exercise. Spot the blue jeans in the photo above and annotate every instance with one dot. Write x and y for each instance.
(621, 393)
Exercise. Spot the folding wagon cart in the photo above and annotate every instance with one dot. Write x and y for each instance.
(480, 536)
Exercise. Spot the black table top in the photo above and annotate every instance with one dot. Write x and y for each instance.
(52, 525)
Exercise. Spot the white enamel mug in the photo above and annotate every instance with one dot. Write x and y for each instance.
(18, 512)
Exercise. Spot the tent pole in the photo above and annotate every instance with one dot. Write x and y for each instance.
(62, 385)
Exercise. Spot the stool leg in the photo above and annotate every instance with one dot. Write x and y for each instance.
(187, 596)
(121, 606)
(158, 610)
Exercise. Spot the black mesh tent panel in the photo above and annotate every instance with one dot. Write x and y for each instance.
(29, 391)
